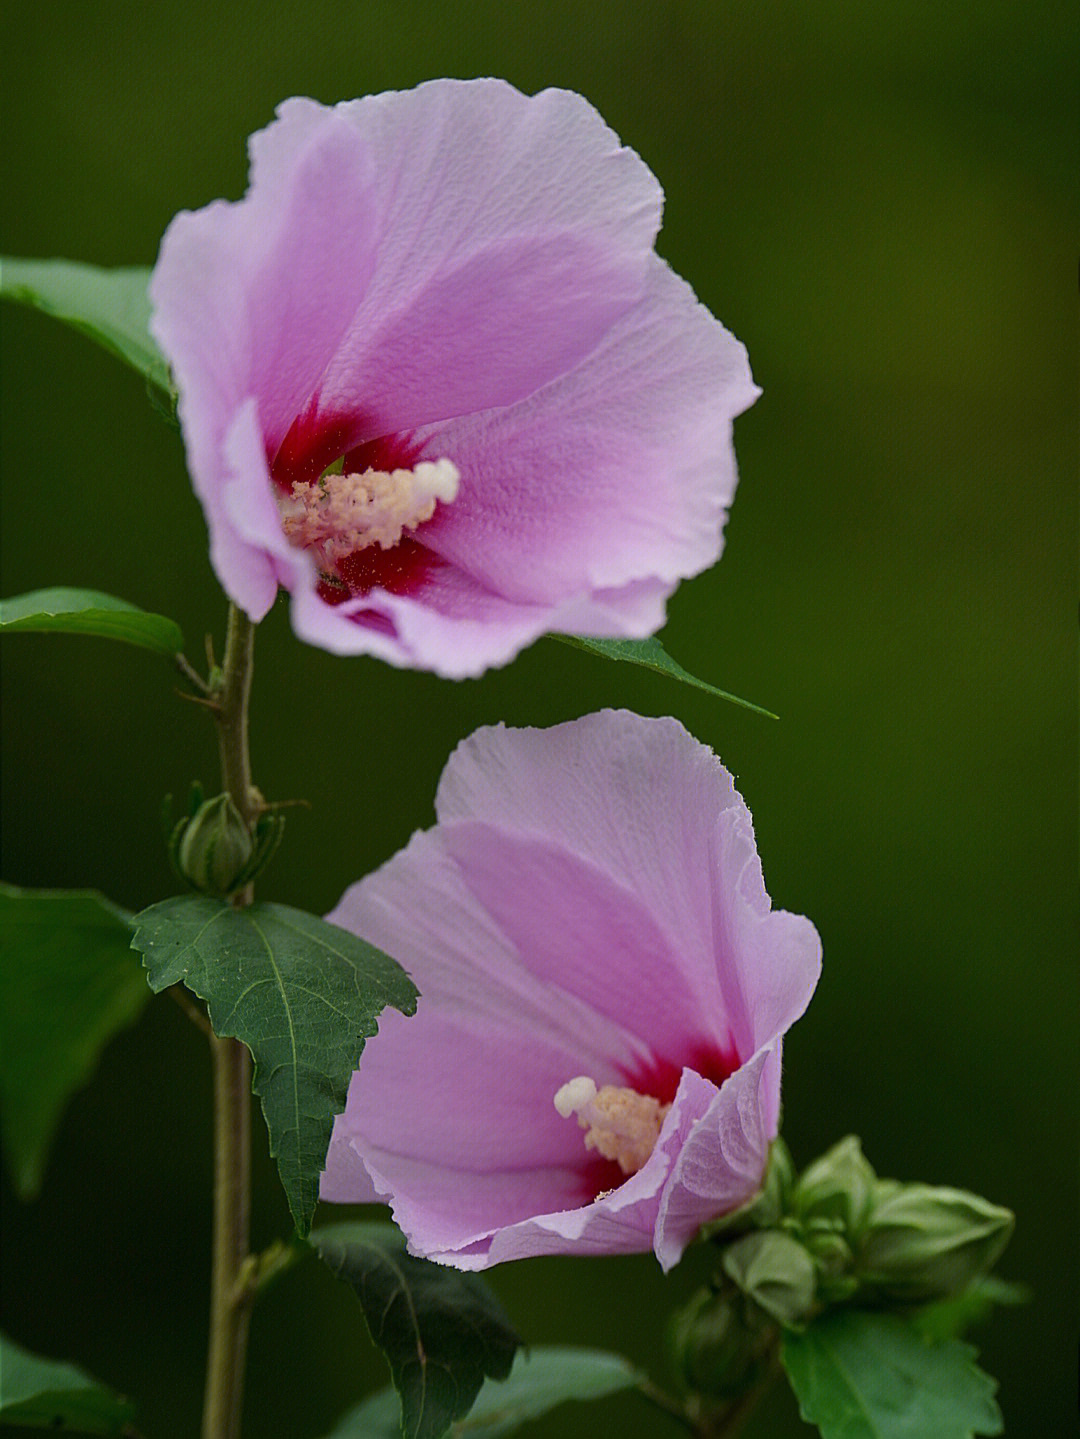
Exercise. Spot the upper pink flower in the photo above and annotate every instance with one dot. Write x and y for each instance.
(434, 381)
(594, 1065)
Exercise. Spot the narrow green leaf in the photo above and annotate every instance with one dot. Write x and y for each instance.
(68, 983)
(88, 612)
(38, 1393)
(542, 1378)
(651, 654)
(110, 306)
(442, 1331)
(864, 1375)
(303, 996)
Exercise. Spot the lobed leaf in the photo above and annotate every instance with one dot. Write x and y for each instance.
(442, 1331)
(88, 612)
(68, 983)
(651, 654)
(303, 996)
(38, 1393)
(110, 306)
(859, 1374)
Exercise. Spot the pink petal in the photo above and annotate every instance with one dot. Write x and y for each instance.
(511, 233)
(621, 469)
(722, 1159)
(458, 628)
(655, 809)
(251, 300)
(589, 936)
(638, 798)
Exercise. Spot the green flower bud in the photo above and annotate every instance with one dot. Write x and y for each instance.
(776, 1272)
(828, 1246)
(214, 847)
(832, 1255)
(836, 1187)
(923, 1243)
(719, 1344)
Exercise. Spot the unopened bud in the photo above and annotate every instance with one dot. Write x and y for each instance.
(923, 1243)
(837, 1187)
(776, 1272)
(831, 1252)
(719, 1343)
(214, 847)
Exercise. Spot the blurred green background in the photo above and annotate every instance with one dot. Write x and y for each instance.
(878, 199)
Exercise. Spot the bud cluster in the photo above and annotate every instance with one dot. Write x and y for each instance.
(836, 1234)
(888, 1242)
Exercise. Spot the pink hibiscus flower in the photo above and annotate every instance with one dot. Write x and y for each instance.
(435, 382)
(594, 1066)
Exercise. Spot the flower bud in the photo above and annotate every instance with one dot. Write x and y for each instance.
(831, 1253)
(826, 1242)
(776, 1272)
(923, 1243)
(836, 1187)
(719, 1344)
(214, 847)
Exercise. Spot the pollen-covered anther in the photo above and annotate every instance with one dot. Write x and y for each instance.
(619, 1123)
(341, 513)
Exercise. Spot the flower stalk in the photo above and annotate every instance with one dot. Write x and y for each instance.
(230, 1298)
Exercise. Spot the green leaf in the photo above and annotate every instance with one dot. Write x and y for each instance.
(68, 983)
(952, 1317)
(864, 1375)
(303, 996)
(541, 1379)
(88, 612)
(110, 306)
(651, 654)
(38, 1393)
(442, 1331)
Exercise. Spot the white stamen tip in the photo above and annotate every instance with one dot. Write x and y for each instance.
(575, 1095)
(436, 479)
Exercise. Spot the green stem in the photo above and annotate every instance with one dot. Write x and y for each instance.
(230, 1297)
(230, 1305)
(729, 1421)
(232, 698)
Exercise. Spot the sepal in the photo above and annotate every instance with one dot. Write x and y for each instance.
(776, 1272)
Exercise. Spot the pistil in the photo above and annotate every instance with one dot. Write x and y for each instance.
(339, 514)
(619, 1123)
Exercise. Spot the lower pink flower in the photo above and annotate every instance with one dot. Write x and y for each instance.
(594, 1066)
